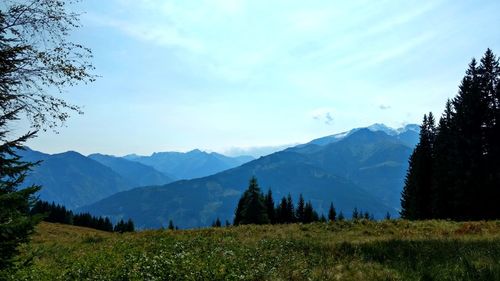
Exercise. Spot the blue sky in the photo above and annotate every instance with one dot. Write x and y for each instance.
(221, 75)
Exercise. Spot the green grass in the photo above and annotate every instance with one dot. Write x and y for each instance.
(364, 250)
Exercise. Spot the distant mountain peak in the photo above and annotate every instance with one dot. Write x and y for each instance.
(70, 153)
(377, 127)
(192, 164)
(196, 151)
(383, 128)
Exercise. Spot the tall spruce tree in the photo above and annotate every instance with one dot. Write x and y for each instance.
(309, 214)
(281, 210)
(332, 214)
(355, 214)
(416, 195)
(171, 225)
(251, 207)
(16, 223)
(322, 218)
(238, 211)
(445, 155)
(341, 217)
(290, 210)
(489, 79)
(469, 120)
(494, 159)
(300, 211)
(271, 214)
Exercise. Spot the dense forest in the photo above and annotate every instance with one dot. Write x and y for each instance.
(454, 171)
(51, 212)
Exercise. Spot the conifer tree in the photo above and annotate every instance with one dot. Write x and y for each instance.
(355, 214)
(300, 212)
(130, 225)
(387, 216)
(489, 79)
(469, 116)
(315, 216)
(171, 225)
(119, 226)
(252, 207)
(308, 213)
(366, 215)
(340, 217)
(416, 196)
(322, 218)
(281, 211)
(239, 210)
(290, 209)
(494, 159)
(16, 223)
(445, 156)
(332, 214)
(270, 206)
(459, 159)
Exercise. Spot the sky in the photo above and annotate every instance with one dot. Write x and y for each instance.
(242, 76)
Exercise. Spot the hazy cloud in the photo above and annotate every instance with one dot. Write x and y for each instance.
(384, 106)
(323, 115)
(256, 151)
(328, 118)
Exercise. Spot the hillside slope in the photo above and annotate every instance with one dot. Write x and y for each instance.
(72, 179)
(388, 250)
(364, 170)
(135, 173)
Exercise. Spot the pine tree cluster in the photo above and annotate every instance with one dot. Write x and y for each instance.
(52, 212)
(454, 171)
(256, 208)
(359, 214)
(124, 226)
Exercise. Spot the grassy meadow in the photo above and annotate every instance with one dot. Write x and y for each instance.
(361, 250)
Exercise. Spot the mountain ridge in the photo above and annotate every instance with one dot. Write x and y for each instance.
(301, 169)
(72, 179)
(135, 173)
(189, 165)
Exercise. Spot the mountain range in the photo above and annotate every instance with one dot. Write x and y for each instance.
(72, 179)
(75, 180)
(361, 168)
(189, 165)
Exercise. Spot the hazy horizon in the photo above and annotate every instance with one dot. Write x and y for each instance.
(226, 75)
(232, 151)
